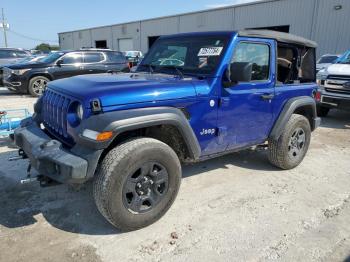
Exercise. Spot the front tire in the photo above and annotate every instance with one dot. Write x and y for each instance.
(137, 182)
(291, 147)
(37, 85)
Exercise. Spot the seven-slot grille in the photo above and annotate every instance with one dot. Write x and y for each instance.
(55, 108)
(335, 84)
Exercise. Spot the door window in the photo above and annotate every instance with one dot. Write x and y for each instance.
(7, 54)
(116, 57)
(13, 54)
(258, 55)
(72, 58)
(93, 57)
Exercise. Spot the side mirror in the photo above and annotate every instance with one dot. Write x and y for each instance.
(59, 62)
(239, 72)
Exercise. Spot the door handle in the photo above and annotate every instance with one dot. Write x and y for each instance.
(267, 96)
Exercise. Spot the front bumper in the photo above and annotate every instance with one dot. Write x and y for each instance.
(16, 83)
(51, 159)
(332, 100)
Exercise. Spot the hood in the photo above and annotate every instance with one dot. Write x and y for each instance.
(120, 89)
(27, 65)
(338, 69)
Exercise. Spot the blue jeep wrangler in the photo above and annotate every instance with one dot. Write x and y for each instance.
(194, 96)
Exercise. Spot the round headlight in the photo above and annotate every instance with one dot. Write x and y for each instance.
(80, 111)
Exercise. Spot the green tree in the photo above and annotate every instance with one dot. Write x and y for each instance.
(46, 47)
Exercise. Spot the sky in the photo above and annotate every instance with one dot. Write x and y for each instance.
(37, 21)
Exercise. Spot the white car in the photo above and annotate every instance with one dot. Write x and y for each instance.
(334, 83)
(325, 61)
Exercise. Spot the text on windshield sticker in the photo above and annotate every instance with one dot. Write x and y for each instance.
(210, 51)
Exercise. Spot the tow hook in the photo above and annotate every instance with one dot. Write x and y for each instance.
(43, 180)
(29, 177)
(21, 155)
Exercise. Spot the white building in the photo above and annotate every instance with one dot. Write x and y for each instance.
(325, 21)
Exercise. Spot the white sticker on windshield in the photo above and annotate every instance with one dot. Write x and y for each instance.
(210, 51)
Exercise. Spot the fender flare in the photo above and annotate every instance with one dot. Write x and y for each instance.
(44, 74)
(287, 111)
(133, 119)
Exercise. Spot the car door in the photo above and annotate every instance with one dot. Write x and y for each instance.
(70, 64)
(94, 63)
(246, 113)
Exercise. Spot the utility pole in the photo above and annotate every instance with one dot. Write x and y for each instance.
(4, 26)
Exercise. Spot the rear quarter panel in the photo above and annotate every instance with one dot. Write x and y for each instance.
(285, 92)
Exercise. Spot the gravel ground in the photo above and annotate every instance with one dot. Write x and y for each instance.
(234, 208)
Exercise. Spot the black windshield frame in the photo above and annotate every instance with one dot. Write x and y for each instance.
(192, 44)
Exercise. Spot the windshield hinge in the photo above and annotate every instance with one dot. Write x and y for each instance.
(96, 106)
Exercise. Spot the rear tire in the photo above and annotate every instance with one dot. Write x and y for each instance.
(322, 111)
(37, 85)
(137, 182)
(291, 147)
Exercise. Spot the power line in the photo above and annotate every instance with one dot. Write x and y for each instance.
(32, 38)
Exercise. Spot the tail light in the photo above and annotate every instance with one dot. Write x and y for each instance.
(317, 96)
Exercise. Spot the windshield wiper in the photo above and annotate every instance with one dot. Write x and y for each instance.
(179, 72)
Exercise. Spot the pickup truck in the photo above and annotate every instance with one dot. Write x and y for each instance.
(193, 97)
(334, 83)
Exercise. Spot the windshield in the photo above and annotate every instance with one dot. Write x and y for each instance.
(191, 55)
(345, 59)
(52, 57)
(327, 59)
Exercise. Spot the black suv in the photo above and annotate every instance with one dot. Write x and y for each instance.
(33, 77)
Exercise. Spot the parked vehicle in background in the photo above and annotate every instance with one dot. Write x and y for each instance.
(32, 77)
(134, 57)
(38, 52)
(334, 84)
(28, 59)
(325, 61)
(12, 55)
(130, 132)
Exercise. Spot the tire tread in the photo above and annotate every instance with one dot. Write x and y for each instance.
(105, 172)
(277, 153)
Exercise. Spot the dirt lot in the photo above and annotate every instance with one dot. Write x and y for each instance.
(234, 208)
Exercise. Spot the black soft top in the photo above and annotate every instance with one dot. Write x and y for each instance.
(279, 36)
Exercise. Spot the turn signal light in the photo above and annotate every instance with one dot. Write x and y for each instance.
(104, 136)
